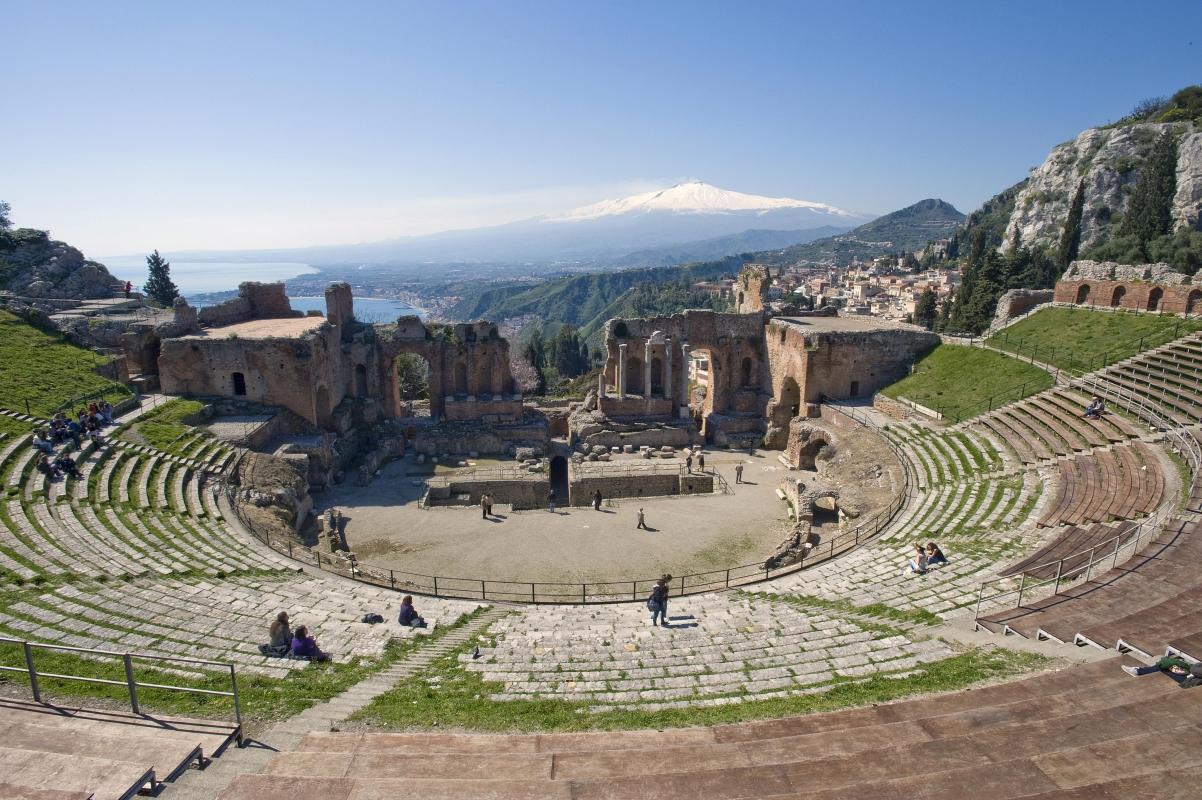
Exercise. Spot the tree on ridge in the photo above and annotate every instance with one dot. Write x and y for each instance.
(159, 286)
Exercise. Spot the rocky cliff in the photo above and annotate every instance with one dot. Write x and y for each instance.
(1107, 161)
(34, 265)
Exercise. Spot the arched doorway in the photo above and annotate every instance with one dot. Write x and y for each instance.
(790, 396)
(360, 381)
(1193, 303)
(634, 375)
(1082, 294)
(745, 373)
(239, 384)
(1117, 298)
(559, 479)
(412, 385)
(1154, 297)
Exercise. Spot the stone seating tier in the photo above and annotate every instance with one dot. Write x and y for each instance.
(1123, 482)
(1091, 730)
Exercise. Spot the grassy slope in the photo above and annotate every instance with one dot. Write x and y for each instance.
(164, 428)
(45, 370)
(952, 378)
(1079, 339)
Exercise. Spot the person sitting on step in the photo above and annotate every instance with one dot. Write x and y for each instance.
(1180, 670)
(106, 412)
(1095, 409)
(305, 646)
(42, 442)
(918, 563)
(65, 466)
(46, 467)
(279, 637)
(935, 556)
(409, 616)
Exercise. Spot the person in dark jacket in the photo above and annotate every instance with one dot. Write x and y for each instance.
(408, 615)
(658, 602)
(1180, 670)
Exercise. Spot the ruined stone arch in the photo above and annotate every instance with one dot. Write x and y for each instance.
(1116, 299)
(1082, 294)
(805, 444)
(1193, 303)
(1154, 298)
(790, 395)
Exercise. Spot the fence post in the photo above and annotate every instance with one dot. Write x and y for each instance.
(1022, 583)
(532, 600)
(392, 579)
(483, 592)
(237, 703)
(129, 682)
(1059, 569)
(435, 584)
(33, 673)
(583, 594)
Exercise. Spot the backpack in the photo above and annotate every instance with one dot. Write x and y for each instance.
(372, 619)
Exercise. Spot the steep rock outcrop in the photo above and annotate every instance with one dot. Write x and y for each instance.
(34, 265)
(1108, 160)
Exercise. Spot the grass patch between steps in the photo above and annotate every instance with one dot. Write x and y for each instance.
(264, 700)
(446, 696)
(959, 381)
(882, 611)
(1080, 340)
(164, 428)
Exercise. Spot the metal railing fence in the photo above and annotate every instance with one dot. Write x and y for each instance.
(1120, 547)
(588, 592)
(131, 682)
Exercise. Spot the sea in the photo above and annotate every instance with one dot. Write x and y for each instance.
(194, 278)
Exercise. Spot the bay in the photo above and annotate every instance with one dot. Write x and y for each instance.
(202, 277)
(367, 309)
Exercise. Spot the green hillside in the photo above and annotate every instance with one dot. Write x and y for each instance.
(44, 373)
(580, 300)
(908, 229)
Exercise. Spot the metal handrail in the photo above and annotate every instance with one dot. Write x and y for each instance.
(131, 683)
(588, 592)
(1140, 407)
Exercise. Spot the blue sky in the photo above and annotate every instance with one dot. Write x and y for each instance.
(128, 126)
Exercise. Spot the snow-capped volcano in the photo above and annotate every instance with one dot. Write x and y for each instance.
(696, 197)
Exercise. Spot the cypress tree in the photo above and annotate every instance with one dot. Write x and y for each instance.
(925, 310)
(1149, 214)
(1070, 239)
(159, 286)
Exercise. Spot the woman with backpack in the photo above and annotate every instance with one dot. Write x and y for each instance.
(657, 603)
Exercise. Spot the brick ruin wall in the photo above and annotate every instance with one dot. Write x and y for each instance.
(1135, 287)
(254, 301)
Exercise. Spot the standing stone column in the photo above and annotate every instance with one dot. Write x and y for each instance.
(684, 379)
(601, 384)
(622, 370)
(667, 376)
(647, 371)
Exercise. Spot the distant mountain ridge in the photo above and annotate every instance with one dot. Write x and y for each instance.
(909, 229)
(602, 234)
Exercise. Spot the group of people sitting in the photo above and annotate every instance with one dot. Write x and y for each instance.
(925, 558)
(87, 423)
(1095, 409)
(284, 641)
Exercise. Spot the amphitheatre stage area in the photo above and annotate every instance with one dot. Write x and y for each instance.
(733, 524)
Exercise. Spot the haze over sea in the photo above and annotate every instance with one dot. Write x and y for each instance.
(203, 277)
